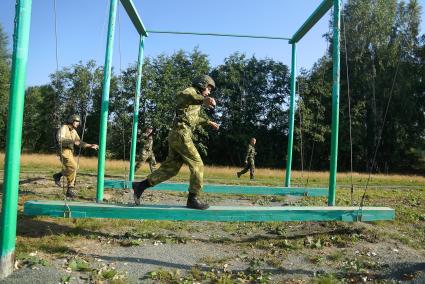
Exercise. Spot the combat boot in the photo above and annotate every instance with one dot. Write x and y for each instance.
(57, 179)
(238, 174)
(251, 177)
(70, 192)
(194, 203)
(138, 189)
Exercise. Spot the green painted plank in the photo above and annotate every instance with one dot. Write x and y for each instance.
(134, 16)
(228, 189)
(312, 20)
(214, 213)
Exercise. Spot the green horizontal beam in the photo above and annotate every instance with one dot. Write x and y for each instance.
(214, 213)
(228, 189)
(218, 34)
(134, 17)
(312, 20)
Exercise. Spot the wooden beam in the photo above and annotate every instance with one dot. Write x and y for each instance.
(214, 213)
(228, 189)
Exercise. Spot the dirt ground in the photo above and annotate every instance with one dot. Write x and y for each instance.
(141, 251)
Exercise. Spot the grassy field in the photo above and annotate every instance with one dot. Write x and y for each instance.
(313, 252)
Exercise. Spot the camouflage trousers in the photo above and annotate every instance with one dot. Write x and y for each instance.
(181, 150)
(146, 156)
(69, 166)
(250, 165)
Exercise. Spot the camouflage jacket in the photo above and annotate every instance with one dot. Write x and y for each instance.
(67, 136)
(250, 153)
(188, 110)
(147, 142)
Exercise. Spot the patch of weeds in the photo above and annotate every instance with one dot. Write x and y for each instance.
(79, 264)
(109, 274)
(218, 276)
(336, 256)
(230, 227)
(65, 279)
(54, 244)
(165, 276)
(215, 262)
(130, 243)
(220, 239)
(278, 229)
(147, 226)
(310, 242)
(266, 244)
(31, 260)
(262, 201)
(327, 279)
(130, 239)
(359, 264)
(58, 250)
(316, 259)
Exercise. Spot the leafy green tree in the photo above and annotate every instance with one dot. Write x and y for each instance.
(252, 99)
(4, 84)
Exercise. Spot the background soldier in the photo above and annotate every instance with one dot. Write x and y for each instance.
(147, 150)
(249, 160)
(181, 148)
(66, 138)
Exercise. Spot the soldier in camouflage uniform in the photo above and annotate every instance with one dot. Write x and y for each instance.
(249, 160)
(181, 149)
(147, 150)
(66, 138)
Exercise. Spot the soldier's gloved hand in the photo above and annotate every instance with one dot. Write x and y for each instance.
(246, 161)
(214, 125)
(209, 102)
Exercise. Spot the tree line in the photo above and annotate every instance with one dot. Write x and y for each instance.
(382, 100)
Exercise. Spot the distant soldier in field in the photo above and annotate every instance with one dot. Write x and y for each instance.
(147, 154)
(66, 138)
(249, 159)
(181, 149)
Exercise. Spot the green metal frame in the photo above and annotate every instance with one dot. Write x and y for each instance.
(136, 109)
(311, 21)
(134, 16)
(215, 213)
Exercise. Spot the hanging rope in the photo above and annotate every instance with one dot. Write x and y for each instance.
(349, 109)
(380, 134)
(67, 212)
(126, 169)
(301, 136)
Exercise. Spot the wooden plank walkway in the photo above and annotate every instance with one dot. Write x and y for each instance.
(214, 213)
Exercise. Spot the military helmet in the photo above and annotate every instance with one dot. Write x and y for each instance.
(74, 117)
(203, 81)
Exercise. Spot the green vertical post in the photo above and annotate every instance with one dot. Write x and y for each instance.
(335, 102)
(291, 116)
(105, 101)
(14, 137)
(136, 107)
